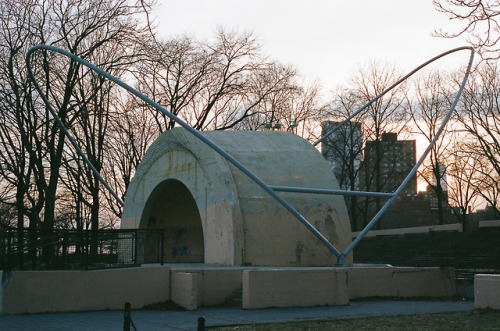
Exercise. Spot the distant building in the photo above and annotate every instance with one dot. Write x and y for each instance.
(343, 149)
(385, 166)
(443, 179)
(387, 163)
(430, 194)
(391, 160)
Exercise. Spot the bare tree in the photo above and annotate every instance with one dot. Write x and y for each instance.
(388, 114)
(18, 120)
(428, 108)
(479, 117)
(351, 143)
(344, 148)
(480, 23)
(463, 188)
(33, 147)
(8, 213)
(131, 131)
(487, 181)
(171, 75)
(288, 106)
(214, 85)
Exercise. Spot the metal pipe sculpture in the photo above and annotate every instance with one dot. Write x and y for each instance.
(271, 190)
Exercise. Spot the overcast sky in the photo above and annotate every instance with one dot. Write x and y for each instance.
(324, 39)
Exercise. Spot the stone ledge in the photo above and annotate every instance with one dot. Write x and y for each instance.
(487, 291)
(59, 291)
(401, 282)
(294, 288)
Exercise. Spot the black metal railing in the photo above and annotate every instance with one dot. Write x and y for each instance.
(78, 249)
(469, 253)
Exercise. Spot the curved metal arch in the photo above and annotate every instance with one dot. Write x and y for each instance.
(270, 190)
(197, 134)
(381, 212)
(401, 80)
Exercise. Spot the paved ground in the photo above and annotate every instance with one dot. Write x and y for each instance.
(184, 320)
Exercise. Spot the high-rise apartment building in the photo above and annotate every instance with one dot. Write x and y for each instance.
(379, 166)
(386, 164)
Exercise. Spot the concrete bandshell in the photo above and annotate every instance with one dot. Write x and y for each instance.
(242, 224)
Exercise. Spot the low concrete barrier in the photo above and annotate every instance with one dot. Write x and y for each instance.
(400, 282)
(191, 289)
(220, 286)
(58, 291)
(195, 286)
(487, 291)
(185, 290)
(304, 287)
(418, 229)
(294, 288)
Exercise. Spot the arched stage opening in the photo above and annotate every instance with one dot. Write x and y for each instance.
(172, 208)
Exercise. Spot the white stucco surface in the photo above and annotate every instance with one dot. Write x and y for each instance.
(242, 224)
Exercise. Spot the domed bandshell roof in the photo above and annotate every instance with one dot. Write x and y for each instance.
(241, 223)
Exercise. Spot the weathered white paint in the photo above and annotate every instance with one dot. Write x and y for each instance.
(243, 225)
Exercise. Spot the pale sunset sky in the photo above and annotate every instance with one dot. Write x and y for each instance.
(324, 39)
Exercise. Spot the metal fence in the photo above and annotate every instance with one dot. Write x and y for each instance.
(78, 249)
(468, 252)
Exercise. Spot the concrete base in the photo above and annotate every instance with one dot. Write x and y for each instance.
(58, 291)
(209, 287)
(400, 282)
(195, 285)
(487, 291)
(294, 288)
(264, 287)
(184, 289)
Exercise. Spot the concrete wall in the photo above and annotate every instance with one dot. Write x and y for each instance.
(419, 229)
(487, 291)
(53, 291)
(242, 224)
(185, 289)
(336, 286)
(56, 291)
(193, 289)
(294, 288)
(220, 285)
(489, 224)
(273, 237)
(400, 282)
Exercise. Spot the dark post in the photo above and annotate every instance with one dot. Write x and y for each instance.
(126, 320)
(64, 239)
(136, 242)
(162, 237)
(86, 255)
(201, 323)
(20, 247)
(10, 258)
